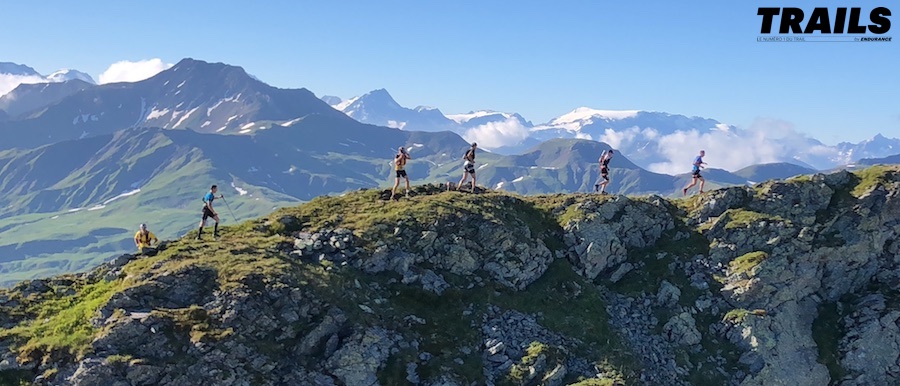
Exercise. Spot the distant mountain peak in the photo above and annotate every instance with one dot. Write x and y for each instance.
(66, 74)
(331, 100)
(17, 69)
(584, 113)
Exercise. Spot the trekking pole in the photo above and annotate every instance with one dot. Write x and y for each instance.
(229, 208)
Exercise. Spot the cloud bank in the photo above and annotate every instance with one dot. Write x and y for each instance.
(128, 71)
(10, 82)
(497, 134)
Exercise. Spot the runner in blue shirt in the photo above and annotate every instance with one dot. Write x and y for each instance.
(695, 173)
(208, 212)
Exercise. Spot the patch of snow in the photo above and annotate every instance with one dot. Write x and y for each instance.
(207, 123)
(417, 145)
(54, 217)
(519, 179)
(549, 168)
(126, 194)
(75, 121)
(252, 169)
(247, 126)
(186, 116)
(292, 121)
(180, 84)
(74, 210)
(750, 182)
(395, 125)
(239, 190)
(157, 113)
(499, 185)
(343, 144)
(343, 105)
(245, 131)
(219, 103)
(96, 207)
(585, 113)
(84, 117)
(482, 166)
(291, 170)
(232, 118)
(94, 118)
(221, 128)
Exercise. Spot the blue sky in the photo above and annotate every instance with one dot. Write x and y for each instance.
(538, 58)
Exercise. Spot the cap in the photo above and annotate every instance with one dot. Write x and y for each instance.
(143, 226)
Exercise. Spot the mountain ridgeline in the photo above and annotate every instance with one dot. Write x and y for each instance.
(205, 97)
(82, 164)
(785, 282)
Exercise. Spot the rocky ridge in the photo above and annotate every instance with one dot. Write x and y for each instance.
(786, 282)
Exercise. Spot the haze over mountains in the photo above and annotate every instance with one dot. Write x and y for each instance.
(82, 164)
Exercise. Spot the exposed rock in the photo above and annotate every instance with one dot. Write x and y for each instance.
(601, 241)
(668, 294)
(682, 329)
(357, 362)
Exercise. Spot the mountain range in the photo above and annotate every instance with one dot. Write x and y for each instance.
(653, 140)
(82, 164)
(13, 75)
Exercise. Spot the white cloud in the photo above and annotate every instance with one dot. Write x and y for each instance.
(765, 141)
(10, 82)
(496, 134)
(127, 71)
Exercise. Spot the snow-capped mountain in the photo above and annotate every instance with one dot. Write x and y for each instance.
(13, 74)
(658, 141)
(877, 147)
(482, 117)
(378, 107)
(68, 74)
(205, 97)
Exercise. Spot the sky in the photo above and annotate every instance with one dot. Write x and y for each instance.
(538, 58)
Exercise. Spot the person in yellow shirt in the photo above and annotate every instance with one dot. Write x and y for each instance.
(144, 240)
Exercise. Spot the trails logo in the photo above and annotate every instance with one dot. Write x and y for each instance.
(824, 25)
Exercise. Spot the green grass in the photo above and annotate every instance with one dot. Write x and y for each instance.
(742, 218)
(747, 262)
(736, 316)
(61, 325)
(869, 177)
(518, 373)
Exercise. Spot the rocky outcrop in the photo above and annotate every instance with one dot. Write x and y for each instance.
(466, 244)
(600, 240)
(793, 282)
(820, 244)
(870, 351)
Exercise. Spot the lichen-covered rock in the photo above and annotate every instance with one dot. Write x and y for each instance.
(601, 240)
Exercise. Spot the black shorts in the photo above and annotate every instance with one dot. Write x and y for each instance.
(401, 174)
(207, 213)
(470, 168)
(604, 172)
(696, 174)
